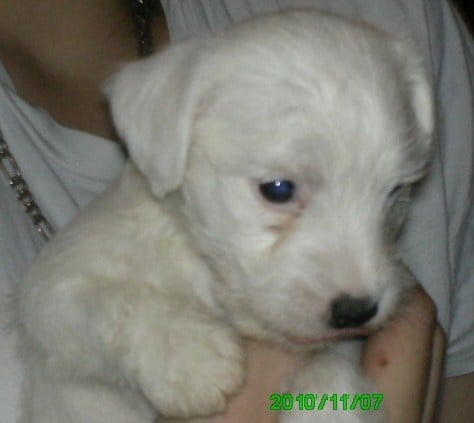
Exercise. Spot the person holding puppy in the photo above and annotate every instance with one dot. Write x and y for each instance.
(68, 156)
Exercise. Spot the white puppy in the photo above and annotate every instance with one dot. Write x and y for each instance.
(273, 164)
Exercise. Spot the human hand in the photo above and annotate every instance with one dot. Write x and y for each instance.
(404, 359)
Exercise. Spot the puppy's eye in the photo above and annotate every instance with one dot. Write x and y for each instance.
(279, 191)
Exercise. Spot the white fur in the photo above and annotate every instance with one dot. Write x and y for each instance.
(140, 304)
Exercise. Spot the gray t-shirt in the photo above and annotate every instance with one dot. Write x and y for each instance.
(66, 169)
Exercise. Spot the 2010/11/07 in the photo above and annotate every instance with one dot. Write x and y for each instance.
(319, 402)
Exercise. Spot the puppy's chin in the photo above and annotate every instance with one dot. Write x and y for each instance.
(297, 341)
(305, 343)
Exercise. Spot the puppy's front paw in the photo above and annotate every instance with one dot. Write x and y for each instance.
(190, 371)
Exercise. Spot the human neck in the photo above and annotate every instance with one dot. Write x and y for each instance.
(67, 29)
(61, 51)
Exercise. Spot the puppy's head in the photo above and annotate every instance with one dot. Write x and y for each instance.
(292, 140)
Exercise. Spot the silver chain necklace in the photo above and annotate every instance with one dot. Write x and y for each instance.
(11, 172)
(143, 13)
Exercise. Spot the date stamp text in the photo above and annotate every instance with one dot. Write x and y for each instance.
(325, 401)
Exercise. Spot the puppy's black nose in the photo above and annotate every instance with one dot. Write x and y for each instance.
(351, 312)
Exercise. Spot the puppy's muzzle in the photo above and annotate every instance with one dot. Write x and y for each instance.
(351, 312)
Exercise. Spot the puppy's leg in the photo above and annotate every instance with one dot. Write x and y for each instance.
(342, 393)
(95, 332)
(187, 363)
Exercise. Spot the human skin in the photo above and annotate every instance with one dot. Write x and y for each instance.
(405, 360)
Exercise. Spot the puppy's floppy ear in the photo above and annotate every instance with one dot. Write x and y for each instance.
(152, 103)
(421, 92)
